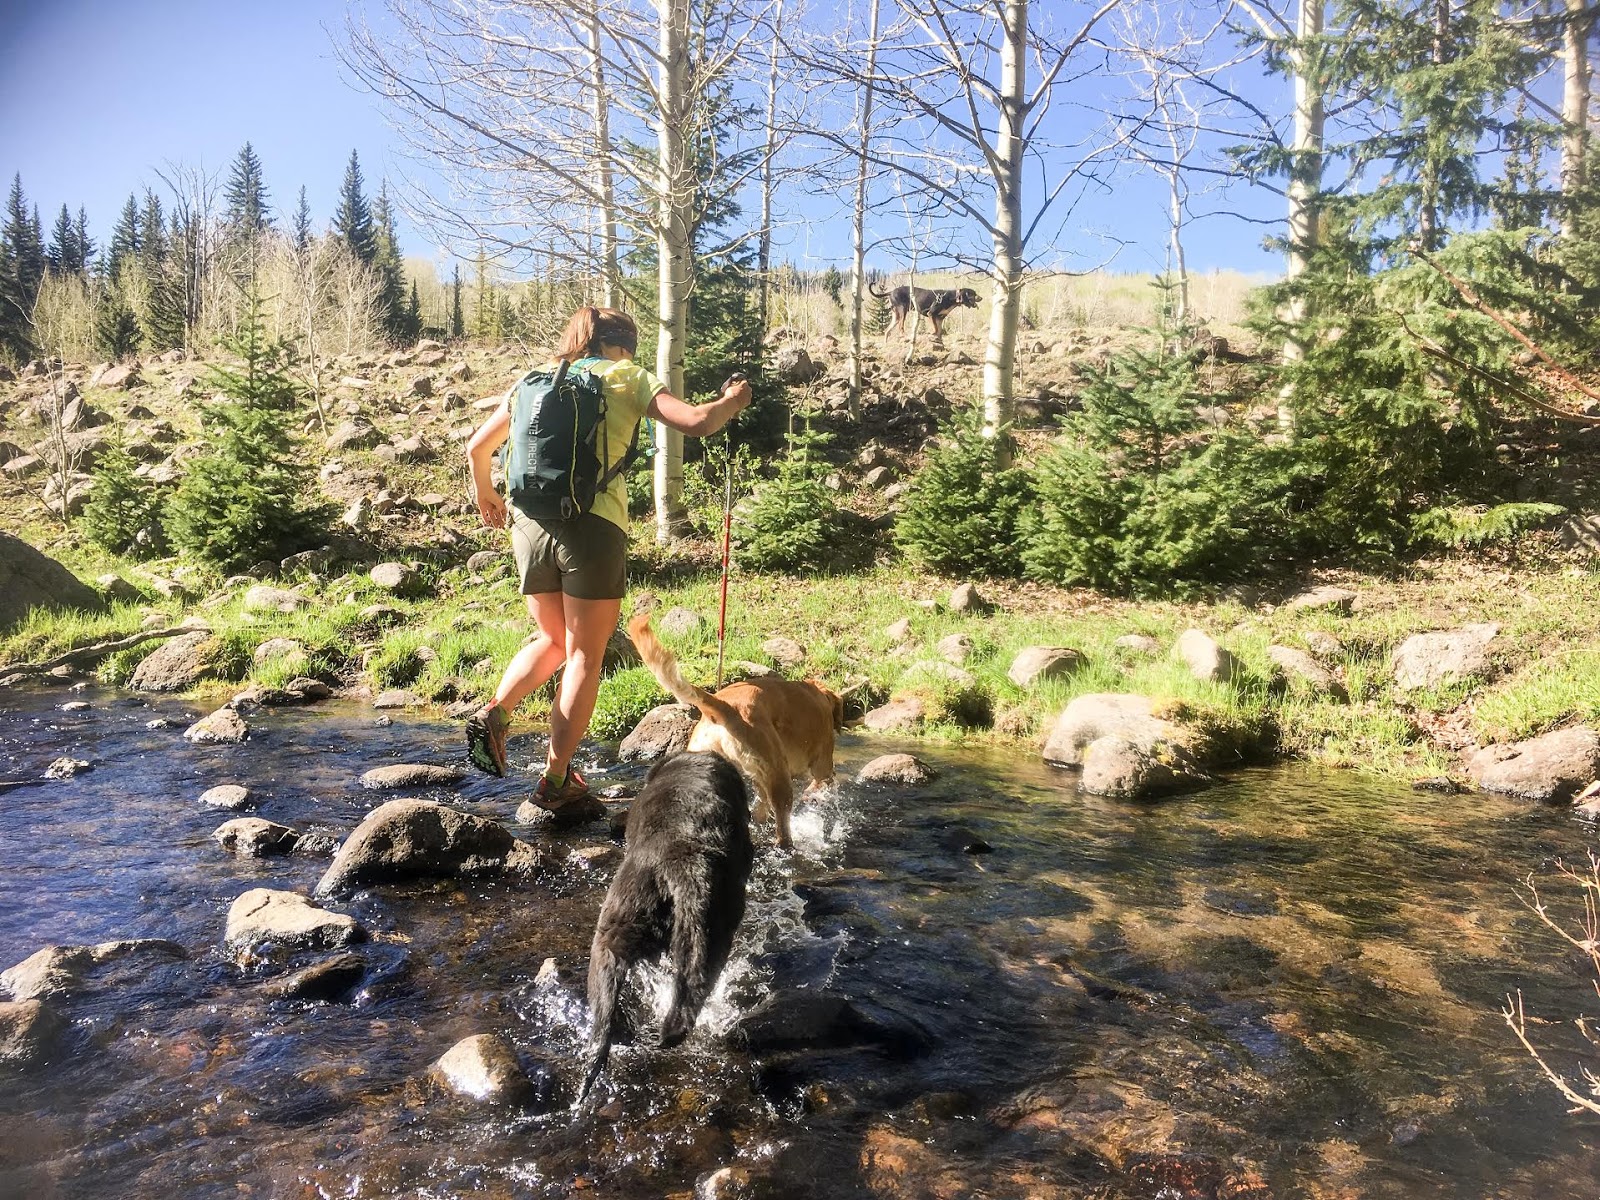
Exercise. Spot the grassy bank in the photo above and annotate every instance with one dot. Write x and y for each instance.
(448, 645)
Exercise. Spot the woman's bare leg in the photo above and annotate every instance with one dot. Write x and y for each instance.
(589, 626)
(539, 659)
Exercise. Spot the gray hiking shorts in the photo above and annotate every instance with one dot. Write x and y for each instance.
(585, 558)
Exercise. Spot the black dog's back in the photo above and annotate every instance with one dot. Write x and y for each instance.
(680, 892)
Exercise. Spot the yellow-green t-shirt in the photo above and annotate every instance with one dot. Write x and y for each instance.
(629, 390)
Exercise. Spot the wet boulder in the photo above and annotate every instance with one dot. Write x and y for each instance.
(66, 767)
(485, 1068)
(1132, 718)
(231, 796)
(31, 1034)
(898, 770)
(252, 837)
(264, 917)
(60, 970)
(328, 982)
(29, 579)
(408, 775)
(409, 839)
(901, 712)
(805, 1018)
(1552, 768)
(1427, 660)
(221, 728)
(664, 731)
(1118, 769)
(175, 665)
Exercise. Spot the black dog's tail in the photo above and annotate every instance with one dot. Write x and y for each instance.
(883, 295)
(606, 972)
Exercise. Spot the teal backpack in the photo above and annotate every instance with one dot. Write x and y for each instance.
(556, 464)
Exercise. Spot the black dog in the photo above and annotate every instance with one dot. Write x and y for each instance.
(935, 304)
(679, 892)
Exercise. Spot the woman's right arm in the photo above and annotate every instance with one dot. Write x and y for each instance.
(488, 438)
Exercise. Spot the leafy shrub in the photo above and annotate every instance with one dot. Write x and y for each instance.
(123, 512)
(1479, 525)
(624, 699)
(962, 510)
(1140, 496)
(791, 523)
(244, 500)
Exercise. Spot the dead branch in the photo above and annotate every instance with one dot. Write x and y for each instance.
(11, 671)
(1432, 348)
(1470, 295)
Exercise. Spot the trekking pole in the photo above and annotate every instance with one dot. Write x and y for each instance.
(727, 540)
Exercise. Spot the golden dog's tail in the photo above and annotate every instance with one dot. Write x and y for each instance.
(665, 668)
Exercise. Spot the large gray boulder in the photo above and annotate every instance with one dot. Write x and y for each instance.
(175, 665)
(485, 1068)
(1123, 771)
(1443, 657)
(899, 770)
(253, 837)
(225, 727)
(406, 775)
(664, 731)
(1552, 768)
(409, 839)
(288, 921)
(29, 579)
(1132, 718)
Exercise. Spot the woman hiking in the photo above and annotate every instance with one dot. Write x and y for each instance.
(574, 570)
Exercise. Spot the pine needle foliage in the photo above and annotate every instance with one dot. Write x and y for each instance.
(791, 522)
(244, 501)
(962, 510)
(1141, 496)
(123, 513)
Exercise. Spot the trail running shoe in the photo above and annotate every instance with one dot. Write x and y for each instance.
(569, 804)
(486, 739)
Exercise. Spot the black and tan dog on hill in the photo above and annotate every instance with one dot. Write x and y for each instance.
(934, 303)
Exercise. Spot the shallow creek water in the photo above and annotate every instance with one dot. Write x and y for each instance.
(994, 986)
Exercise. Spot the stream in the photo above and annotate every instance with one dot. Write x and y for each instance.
(989, 986)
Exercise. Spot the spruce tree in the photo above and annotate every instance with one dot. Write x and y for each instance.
(22, 265)
(302, 223)
(458, 322)
(244, 499)
(414, 315)
(125, 244)
(123, 511)
(85, 244)
(61, 257)
(116, 328)
(391, 272)
(352, 223)
(246, 194)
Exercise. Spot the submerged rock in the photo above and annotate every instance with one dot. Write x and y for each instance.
(411, 775)
(30, 1033)
(59, 970)
(326, 982)
(252, 837)
(223, 727)
(664, 731)
(485, 1067)
(1552, 768)
(264, 916)
(230, 796)
(408, 839)
(903, 770)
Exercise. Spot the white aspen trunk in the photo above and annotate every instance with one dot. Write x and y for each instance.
(999, 361)
(1574, 109)
(1180, 265)
(1305, 181)
(610, 266)
(674, 195)
(858, 230)
(764, 253)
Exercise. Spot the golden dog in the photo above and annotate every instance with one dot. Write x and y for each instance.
(771, 729)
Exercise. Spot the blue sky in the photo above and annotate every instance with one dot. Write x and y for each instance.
(97, 94)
